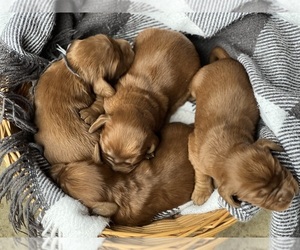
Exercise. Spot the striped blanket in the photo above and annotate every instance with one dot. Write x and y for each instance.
(267, 44)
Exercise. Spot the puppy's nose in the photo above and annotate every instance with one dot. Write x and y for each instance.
(121, 168)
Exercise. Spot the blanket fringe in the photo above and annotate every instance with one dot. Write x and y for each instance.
(25, 185)
(16, 186)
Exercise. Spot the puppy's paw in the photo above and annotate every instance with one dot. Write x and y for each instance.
(105, 209)
(201, 195)
(89, 115)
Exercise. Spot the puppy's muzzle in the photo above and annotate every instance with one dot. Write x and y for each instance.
(281, 198)
(120, 166)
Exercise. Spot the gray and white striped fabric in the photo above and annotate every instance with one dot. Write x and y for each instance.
(268, 45)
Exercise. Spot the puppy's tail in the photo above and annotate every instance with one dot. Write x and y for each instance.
(218, 53)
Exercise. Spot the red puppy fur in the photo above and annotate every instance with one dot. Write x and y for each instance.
(222, 146)
(99, 59)
(61, 94)
(164, 182)
(154, 87)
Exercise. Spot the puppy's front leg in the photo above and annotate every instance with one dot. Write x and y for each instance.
(90, 114)
(203, 188)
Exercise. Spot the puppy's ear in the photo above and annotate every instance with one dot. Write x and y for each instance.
(151, 149)
(268, 144)
(96, 156)
(228, 196)
(103, 88)
(102, 119)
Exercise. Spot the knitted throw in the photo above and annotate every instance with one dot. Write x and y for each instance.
(267, 44)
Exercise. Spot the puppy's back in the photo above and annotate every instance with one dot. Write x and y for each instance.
(172, 163)
(165, 182)
(169, 58)
(59, 95)
(223, 88)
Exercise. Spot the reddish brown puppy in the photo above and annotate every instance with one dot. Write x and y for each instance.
(222, 147)
(71, 85)
(164, 182)
(154, 87)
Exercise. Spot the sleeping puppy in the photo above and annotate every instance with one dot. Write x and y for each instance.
(77, 83)
(154, 87)
(164, 182)
(99, 60)
(222, 145)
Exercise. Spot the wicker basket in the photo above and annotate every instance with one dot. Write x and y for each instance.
(200, 225)
(162, 243)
